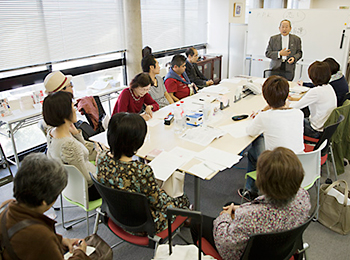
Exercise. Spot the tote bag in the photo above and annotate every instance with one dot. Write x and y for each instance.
(334, 211)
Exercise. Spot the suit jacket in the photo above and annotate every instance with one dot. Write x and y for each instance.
(195, 75)
(275, 45)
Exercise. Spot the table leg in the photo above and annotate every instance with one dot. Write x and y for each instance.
(197, 193)
(14, 145)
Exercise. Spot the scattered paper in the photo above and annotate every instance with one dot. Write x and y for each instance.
(183, 153)
(165, 164)
(202, 135)
(219, 89)
(204, 169)
(153, 122)
(237, 129)
(218, 156)
(100, 138)
(232, 80)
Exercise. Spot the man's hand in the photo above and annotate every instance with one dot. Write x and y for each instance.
(74, 243)
(284, 52)
(146, 116)
(209, 82)
(149, 111)
(291, 60)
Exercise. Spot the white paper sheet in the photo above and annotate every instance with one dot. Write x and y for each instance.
(299, 89)
(165, 164)
(202, 135)
(183, 153)
(204, 169)
(219, 157)
(237, 129)
(153, 122)
(233, 80)
(89, 251)
(100, 138)
(220, 89)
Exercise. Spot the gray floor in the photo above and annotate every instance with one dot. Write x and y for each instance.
(324, 243)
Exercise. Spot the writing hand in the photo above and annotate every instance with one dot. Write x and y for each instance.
(80, 244)
(146, 116)
(209, 82)
(74, 243)
(291, 60)
(285, 52)
(149, 111)
(300, 82)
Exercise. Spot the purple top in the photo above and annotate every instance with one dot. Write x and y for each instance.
(259, 216)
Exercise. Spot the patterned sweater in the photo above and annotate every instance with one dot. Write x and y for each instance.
(138, 177)
(259, 216)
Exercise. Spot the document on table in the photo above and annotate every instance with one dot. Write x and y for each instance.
(100, 138)
(219, 157)
(89, 251)
(153, 122)
(202, 135)
(204, 169)
(165, 164)
(233, 80)
(238, 129)
(183, 153)
(219, 89)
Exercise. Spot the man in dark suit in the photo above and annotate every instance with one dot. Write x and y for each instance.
(192, 70)
(284, 50)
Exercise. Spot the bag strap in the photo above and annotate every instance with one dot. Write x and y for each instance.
(8, 233)
(336, 183)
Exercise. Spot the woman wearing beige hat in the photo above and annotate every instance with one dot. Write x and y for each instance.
(57, 81)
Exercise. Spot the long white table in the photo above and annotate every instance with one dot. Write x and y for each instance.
(29, 117)
(161, 136)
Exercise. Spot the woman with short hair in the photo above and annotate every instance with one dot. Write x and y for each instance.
(283, 205)
(136, 99)
(117, 169)
(321, 100)
(36, 186)
(64, 142)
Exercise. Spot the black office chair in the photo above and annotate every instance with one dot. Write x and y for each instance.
(4, 162)
(286, 74)
(278, 245)
(326, 136)
(347, 96)
(127, 213)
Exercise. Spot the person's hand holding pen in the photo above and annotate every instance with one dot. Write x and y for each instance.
(74, 243)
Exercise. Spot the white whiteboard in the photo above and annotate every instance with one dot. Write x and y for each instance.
(320, 31)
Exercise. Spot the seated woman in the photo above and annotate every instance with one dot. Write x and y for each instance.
(321, 100)
(282, 206)
(116, 169)
(36, 186)
(64, 142)
(134, 98)
(277, 124)
(337, 81)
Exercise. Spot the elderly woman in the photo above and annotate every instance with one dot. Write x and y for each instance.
(65, 143)
(136, 98)
(37, 184)
(116, 169)
(283, 205)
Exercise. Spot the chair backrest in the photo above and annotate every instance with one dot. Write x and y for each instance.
(327, 134)
(278, 245)
(311, 162)
(347, 96)
(129, 210)
(282, 73)
(77, 187)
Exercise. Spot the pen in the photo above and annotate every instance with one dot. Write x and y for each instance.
(101, 149)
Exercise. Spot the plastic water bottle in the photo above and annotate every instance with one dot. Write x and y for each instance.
(178, 119)
(183, 114)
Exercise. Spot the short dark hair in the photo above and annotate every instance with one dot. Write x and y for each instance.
(178, 60)
(39, 179)
(275, 90)
(57, 107)
(333, 65)
(285, 20)
(147, 62)
(190, 51)
(279, 175)
(141, 80)
(126, 134)
(146, 51)
(319, 73)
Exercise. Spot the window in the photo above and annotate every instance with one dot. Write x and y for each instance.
(173, 24)
(38, 32)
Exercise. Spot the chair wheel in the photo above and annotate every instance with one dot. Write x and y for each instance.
(345, 163)
(328, 181)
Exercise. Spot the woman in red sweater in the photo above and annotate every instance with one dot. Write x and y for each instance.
(136, 99)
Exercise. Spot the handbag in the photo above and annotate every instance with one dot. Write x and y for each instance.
(334, 211)
(102, 250)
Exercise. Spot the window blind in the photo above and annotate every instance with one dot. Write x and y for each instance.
(173, 24)
(40, 31)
